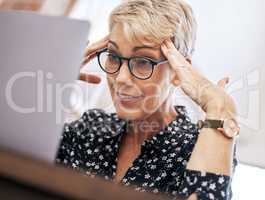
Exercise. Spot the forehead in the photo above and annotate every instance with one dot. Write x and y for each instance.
(123, 37)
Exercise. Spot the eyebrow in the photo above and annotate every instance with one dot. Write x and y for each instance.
(136, 48)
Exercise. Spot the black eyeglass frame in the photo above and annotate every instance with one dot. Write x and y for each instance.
(153, 62)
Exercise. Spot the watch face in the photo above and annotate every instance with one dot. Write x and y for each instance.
(231, 128)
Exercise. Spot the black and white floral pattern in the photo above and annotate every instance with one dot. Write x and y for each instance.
(91, 145)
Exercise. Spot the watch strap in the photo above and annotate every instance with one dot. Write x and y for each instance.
(210, 123)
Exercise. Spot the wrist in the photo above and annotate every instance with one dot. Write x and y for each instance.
(230, 127)
(216, 113)
(220, 108)
(219, 112)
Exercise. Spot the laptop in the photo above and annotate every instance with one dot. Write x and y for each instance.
(40, 58)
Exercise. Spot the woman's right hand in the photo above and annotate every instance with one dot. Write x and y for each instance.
(91, 52)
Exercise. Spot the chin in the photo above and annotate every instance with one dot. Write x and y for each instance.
(129, 114)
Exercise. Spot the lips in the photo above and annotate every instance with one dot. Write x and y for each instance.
(128, 97)
(122, 95)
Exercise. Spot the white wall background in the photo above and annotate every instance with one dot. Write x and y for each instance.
(230, 43)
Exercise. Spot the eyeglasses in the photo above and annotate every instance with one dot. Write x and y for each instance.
(140, 67)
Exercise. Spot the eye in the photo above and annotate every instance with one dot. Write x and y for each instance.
(141, 62)
(141, 67)
(113, 58)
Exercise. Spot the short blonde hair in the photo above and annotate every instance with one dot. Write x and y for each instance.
(156, 20)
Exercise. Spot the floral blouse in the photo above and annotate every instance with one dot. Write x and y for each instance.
(91, 144)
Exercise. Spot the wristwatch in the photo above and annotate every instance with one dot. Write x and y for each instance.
(228, 127)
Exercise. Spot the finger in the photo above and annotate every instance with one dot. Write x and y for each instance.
(97, 45)
(221, 83)
(225, 134)
(88, 58)
(177, 62)
(175, 58)
(91, 51)
(89, 78)
(170, 45)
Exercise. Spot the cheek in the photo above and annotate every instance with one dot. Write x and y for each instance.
(156, 89)
(159, 82)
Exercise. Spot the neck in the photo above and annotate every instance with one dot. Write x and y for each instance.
(140, 130)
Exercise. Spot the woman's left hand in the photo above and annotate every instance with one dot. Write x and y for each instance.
(212, 98)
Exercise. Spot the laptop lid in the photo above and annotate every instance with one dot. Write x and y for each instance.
(40, 58)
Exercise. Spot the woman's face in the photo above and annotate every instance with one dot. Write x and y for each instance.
(136, 99)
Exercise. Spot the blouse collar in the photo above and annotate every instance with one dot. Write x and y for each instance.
(121, 125)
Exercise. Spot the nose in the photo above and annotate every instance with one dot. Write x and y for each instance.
(124, 75)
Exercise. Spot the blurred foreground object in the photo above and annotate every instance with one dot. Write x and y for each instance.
(50, 7)
(31, 5)
(25, 178)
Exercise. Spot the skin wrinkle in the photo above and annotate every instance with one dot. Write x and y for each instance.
(136, 48)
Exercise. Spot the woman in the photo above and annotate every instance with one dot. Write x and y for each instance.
(150, 143)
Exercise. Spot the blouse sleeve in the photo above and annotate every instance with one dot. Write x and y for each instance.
(207, 185)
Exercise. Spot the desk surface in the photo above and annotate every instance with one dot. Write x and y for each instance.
(57, 182)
